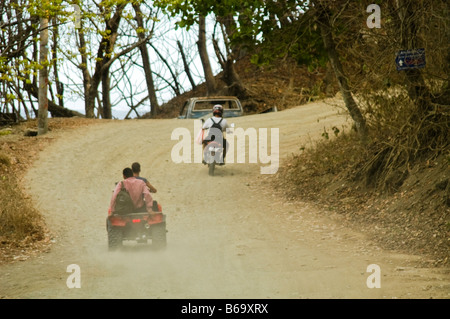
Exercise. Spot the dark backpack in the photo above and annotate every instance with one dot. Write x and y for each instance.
(212, 133)
(124, 204)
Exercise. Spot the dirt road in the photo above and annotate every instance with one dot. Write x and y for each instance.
(228, 237)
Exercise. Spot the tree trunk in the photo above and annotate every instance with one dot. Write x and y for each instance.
(233, 81)
(403, 16)
(330, 47)
(186, 66)
(176, 85)
(104, 56)
(106, 99)
(209, 77)
(55, 109)
(230, 76)
(59, 85)
(84, 68)
(146, 63)
(43, 78)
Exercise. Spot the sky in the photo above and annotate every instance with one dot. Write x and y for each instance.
(164, 40)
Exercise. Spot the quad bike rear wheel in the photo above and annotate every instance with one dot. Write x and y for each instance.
(115, 237)
(159, 236)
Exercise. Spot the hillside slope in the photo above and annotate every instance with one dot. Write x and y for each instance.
(282, 86)
(230, 236)
(415, 219)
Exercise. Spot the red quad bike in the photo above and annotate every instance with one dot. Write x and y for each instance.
(139, 227)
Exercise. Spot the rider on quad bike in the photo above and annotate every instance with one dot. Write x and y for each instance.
(216, 126)
(134, 215)
(139, 193)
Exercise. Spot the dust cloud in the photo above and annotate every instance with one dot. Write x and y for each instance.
(227, 236)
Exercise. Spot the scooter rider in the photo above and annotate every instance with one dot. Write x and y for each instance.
(216, 126)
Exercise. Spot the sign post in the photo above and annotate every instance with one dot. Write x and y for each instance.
(410, 59)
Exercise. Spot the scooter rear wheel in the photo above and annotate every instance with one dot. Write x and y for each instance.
(212, 166)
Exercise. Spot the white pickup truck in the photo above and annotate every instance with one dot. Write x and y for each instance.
(201, 107)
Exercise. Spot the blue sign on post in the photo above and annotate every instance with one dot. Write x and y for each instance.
(410, 59)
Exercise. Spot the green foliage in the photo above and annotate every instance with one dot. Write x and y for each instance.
(278, 29)
(45, 8)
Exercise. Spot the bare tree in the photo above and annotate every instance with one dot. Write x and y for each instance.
(404, 17)
(55, 39)
(323, 15)
(176, 84)
(187, 70)
(232, 79)
(43, 77)
(106, 98)
(202, 49)
(20, 58)
(146, 60)
(105, 57)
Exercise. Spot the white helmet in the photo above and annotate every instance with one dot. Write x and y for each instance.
(217, 109)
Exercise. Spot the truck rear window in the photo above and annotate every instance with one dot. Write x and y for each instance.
(208, 105)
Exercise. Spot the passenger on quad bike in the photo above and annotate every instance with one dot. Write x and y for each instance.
(216, 126)
(133, 215)
(136, 168)
(139, 193)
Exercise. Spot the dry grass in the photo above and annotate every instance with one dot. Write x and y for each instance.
(22, 228)
(316, 169)
(4, 160)
(402, 202)
(18, 218)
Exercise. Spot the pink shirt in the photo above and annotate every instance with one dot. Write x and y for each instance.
(136, 188)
